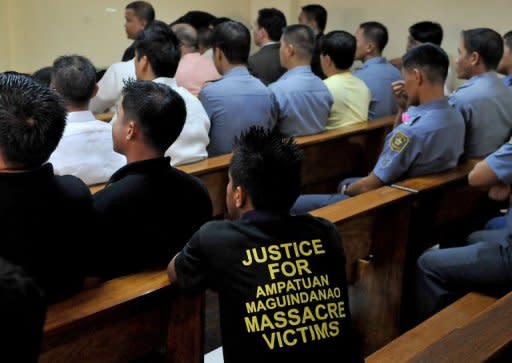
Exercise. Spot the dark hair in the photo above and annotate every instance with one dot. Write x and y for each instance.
(487, 43)
(376, 33)
(508, 39)
(204, 38)
(234, 40)
(143, 10)
(340, 46)
(74, 78)
(43, 76)
(301, 37)
(431, 59)
(427, 32)
(217, 21)
(317, 13)
(159, 111)
(198, 19)
(273, 21)
(159, 44)
(268, 166)
(32, 120)
(22, 313)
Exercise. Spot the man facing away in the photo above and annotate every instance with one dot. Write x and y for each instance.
(264, 248)
(267, 31)
(85, 149)
(149, 208)
(377, 73)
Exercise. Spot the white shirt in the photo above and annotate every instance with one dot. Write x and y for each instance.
(111, 86)
(193, 140)
(86, 149)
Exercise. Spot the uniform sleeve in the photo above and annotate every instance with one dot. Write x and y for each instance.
(500, 162)
(463, 107)
(397, 156)
(190, 264)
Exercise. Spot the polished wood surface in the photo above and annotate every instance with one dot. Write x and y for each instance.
(107, 116)
(431, 330)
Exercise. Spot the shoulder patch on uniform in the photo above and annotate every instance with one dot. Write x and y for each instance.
(399, 142)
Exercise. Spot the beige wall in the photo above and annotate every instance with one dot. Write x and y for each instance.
(34, 32)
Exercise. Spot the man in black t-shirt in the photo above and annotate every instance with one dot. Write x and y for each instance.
(281, 278)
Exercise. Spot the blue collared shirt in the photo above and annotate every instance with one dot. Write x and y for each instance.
(234, 103)
(486, 106)
(508, 81)
(303, 101)
(430, 141)
(378, 75)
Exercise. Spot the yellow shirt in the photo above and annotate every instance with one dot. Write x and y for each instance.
(351, 100)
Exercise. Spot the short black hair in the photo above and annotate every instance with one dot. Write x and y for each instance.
(431, 59)
(74, 78)
(508, 39)
(317, 13)
(268, 166)
(143, 10)
(43, 76)
(198, 19)
(234, 40)
(32, 120)
(376, 33)
(340, 46)
(273, 21)
(159, 111)
(301, 37)
(160, 45)
(217, 21)
(427, 32)
(487, 43)
(22, 313)
(204, 38)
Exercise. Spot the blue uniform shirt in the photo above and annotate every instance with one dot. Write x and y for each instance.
(486, 105)
(430, 141)
(508, 81)
(303, 100)
(234, 103)
(378, 75)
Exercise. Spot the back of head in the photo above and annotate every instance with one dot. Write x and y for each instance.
(317, 13)
(487, 43)
(302, 38)
(427, 32)
(269, 167)
(158, 110)
(22, 313)
(273, 21)
(430, 59)
(376, 33)
(234, 40)
(159, 44)
(143, 10)
(186, 34)
(218, 21)
(74, 78)
(340, 46)
(43, 76)
(32, 120)
(508, 39)
(198, 19)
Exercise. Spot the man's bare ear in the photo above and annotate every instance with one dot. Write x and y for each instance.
(131, 131)
(475, 58)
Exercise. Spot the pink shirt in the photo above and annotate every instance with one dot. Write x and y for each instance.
(193, 71)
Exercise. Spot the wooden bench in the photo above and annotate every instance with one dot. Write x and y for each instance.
(106, 117)
(125, 319)
(458, 314)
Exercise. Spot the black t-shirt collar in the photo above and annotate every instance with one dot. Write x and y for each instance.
(43, 172)
(142, 167)
(256, 216)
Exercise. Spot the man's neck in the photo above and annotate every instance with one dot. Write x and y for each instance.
(431, 93)
(294, 63)
(228, 66)
(370, 56)
(78, 108)
(335, 71)
(141, 154)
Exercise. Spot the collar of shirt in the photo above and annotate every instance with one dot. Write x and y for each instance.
(171, 82)
(374, 60)
(237, 71)
(256, 216)
(269, 43)
(415, 112)
(141, 167)
(508, 80)
(43, 172)
(296, 71)
(80, 116)
(476, 78)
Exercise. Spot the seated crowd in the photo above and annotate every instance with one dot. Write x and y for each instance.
(190, 90)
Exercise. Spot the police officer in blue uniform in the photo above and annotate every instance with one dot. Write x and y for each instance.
(430, 138)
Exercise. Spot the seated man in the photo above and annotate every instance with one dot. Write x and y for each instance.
(48, 220)
(303, 100)
(22, 312)
(85, 149)
(193, 70)
(505, 66)
(377, 73)
(262, 247)
(429, 140)
(314, 16)
(483, 101)
(150, 209)
(267, 31)
(238, 100)
(350, 94)
(484, 264)
(156, 59)
(138, 16)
